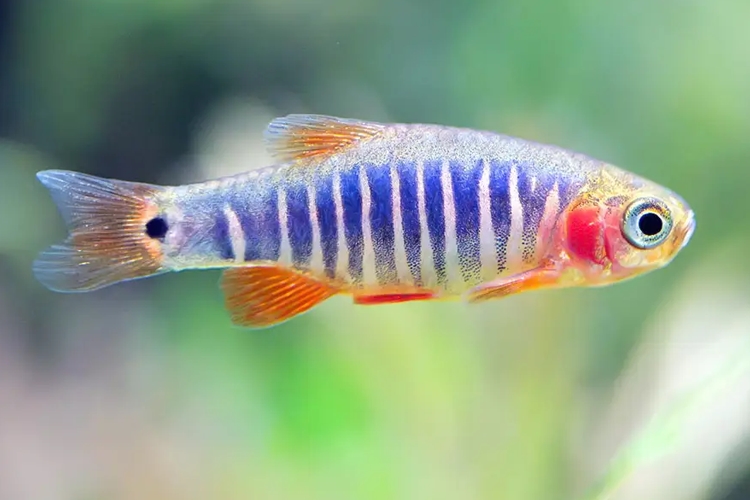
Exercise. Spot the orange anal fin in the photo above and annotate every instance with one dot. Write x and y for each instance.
(523, 282)
(391, 298)
(263, 296)
(297, 137)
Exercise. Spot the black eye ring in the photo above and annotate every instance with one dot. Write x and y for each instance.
(157, 228)
(647, 223)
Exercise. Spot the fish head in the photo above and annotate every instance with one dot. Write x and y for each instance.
(622, 226)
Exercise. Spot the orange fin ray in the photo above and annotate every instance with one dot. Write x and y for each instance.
(534, 279)
(265, 295)
(298, 137)
(107, 240)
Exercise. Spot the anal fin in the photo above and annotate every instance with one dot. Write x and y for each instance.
(266, 295)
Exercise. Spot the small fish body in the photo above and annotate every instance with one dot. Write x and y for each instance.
(384, 212)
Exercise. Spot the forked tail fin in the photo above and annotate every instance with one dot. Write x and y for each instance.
(107, 241)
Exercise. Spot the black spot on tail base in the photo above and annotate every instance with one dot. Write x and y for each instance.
(157, 228)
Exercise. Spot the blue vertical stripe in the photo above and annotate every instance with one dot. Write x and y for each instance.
(251, 211)
(433, 190)
(533, 206)
(299, 223)
(257, 210)
(466, 199)
(268, 228)
(221, 235)
(500, 209)
(326, 209)
(381, 222)
(351, 197)
(407, 172)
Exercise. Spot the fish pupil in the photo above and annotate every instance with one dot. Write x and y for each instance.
(157, 228)
(650, 224)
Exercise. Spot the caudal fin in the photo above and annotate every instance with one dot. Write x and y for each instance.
(107, 241)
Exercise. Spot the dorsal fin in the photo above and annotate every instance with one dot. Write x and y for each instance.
(297, 137)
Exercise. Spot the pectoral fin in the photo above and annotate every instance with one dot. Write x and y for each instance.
(533, 279)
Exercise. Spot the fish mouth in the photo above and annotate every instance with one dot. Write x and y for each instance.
(688, 228)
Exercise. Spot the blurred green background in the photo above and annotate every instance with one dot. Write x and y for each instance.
(145, 391)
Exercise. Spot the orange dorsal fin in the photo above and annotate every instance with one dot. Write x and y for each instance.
(298, 137)
(265, 295)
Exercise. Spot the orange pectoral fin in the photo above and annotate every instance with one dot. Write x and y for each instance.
(262, 296)
(530, 280)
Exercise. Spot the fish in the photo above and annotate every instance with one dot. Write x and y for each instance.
(384, 213)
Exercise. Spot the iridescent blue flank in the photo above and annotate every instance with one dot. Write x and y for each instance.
(299, 224)
(268, 229)
(410, 218)
(500, 209)
(326, 209)
(381, 222)
(433, 190)
(351, 197)
(257, 212)
(533, 206)
(465, 180)
(221, 235)
(256, 207)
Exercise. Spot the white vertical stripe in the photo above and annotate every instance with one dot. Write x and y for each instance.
(551, 207)
(487, 249)
(427, 259)
(514, 250)
(452, 271)
(369, 275)
(399, 247)
(342, 259)
(316, 259)
(236, 234)
(285, 250)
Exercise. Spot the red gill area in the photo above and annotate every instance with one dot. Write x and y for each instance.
(585, 234)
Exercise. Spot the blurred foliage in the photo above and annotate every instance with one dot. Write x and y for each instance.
(145, 391)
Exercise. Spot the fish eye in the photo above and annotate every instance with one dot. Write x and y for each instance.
(647, 223)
